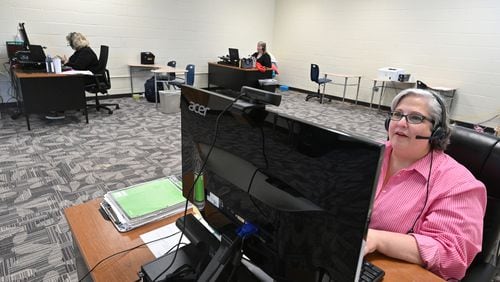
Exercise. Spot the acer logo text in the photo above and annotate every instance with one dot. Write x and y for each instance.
(197, 108)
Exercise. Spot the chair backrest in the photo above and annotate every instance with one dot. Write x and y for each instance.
(480, 154)
(190, 74)
(314, 73)
(421, 85)
(490, 176)
(101, 81)
(171, 75)
(172, 64)
(103, 59)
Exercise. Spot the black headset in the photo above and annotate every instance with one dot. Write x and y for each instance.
(439, 132)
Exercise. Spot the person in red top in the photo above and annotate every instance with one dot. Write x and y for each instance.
(262, 56)
(428, 208)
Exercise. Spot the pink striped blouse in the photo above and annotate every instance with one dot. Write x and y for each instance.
(449, 232)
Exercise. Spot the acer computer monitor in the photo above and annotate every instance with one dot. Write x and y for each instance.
(234, 55)
(307, 188)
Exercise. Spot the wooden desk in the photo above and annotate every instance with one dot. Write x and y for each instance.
(41, 92)
(231, 77)
(397, 270)
(139, 67)
(393, 84)
(345, 84)
(97, 238)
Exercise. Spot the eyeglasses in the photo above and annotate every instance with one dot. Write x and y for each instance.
(410, 118)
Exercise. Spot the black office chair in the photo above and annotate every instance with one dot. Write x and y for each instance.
(101, 82)
(320, 81)
(480, 154)
(189, 77)
(421, 85)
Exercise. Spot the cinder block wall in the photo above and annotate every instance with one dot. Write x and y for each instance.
(188, 31)
(444, 43)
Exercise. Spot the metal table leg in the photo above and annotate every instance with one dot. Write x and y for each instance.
(357, 91)
(156, 92)
(381, 94)
(323, 94)
(451, 99)
(28, 120)
(131, 80)
(373, 92)
(345, 87)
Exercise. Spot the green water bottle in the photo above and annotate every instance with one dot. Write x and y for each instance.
(199, 192)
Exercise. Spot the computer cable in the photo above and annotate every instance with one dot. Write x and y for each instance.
(426, 194)
(202, 169)
(255, 173)
(184, 272)
(251, 197)
(128, 250)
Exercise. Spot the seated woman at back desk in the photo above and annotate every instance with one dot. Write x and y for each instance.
(428, 208)
(84, 57)
(262, 56)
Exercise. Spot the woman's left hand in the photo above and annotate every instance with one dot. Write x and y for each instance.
(371, 241)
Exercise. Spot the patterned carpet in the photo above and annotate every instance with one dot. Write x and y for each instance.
(62, 163)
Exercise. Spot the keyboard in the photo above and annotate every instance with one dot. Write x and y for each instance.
(370, 273)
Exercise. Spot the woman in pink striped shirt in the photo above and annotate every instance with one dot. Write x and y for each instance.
(428, 208)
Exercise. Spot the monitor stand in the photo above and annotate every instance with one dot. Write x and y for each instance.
(205, 257)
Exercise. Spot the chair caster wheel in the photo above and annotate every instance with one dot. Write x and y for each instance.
(117, 107)
(110, 112)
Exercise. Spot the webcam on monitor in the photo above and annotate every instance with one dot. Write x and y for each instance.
(259, 96)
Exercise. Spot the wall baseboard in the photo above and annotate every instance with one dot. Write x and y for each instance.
(489, 130)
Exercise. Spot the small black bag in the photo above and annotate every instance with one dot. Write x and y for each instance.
(149, 90)
(247, 63)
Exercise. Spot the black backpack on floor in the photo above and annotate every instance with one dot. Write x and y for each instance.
(149, 90)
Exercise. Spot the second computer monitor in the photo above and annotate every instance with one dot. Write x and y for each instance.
(234, 55)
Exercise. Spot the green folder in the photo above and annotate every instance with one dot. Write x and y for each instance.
(147, 198)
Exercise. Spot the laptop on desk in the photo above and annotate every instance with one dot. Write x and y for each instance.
(34, 59)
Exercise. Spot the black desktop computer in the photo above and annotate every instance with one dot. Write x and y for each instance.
(291, 197)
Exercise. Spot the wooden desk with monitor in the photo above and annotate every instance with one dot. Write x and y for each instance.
(231, 77)
(97, 238)
(41, 92)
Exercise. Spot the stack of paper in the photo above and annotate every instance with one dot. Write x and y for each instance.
(137, 205)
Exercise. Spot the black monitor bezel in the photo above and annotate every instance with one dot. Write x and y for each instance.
(24, 35)
(234, 54)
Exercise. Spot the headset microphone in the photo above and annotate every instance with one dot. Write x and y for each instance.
(423, 137)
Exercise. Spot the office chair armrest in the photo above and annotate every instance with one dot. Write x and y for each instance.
(107, 79)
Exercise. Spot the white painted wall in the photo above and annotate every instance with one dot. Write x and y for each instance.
(188, 31)
(444, 43)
